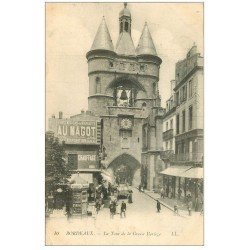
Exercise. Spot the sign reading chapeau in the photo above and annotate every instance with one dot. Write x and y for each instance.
(77, 132)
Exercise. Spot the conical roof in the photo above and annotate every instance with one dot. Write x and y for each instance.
(102, 39)
(146, 45)
(125, 45)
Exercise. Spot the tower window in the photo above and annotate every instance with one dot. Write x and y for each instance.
(154, 88)
(142, 68)
(144, 104)
(98, 85)
(121, 27)
(126, 26)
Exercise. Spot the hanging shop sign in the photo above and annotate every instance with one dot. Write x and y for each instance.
(77, 132)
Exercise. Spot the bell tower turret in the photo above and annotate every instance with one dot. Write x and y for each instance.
(125, 20)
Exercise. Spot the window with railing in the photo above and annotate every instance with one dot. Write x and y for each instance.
(177, 123)
(183, 121)
(177, 98)
(190, 88)
(190, 116)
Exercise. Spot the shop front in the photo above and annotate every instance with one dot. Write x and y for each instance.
(81, 136)
(184, 183)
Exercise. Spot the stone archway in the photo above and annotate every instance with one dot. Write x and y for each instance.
(126, 168)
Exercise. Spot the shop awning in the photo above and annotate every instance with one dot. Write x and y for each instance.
(193, 173)
(175, 170)
(184, 171)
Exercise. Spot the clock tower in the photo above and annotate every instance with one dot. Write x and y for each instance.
(123, 91)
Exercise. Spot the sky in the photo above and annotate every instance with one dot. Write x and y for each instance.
(70, 31)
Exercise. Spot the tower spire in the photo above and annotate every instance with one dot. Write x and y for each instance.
(125, 45)
(102, 39)
(146, 45)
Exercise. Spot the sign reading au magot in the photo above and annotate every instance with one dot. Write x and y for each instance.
(77, 132)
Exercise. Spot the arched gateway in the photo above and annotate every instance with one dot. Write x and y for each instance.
(125, 168)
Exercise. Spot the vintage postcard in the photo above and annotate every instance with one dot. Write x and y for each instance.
(124, 124)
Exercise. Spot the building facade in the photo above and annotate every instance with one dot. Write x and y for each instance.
(189, 96)
(123, 92)
(82, 138)
(184, 157)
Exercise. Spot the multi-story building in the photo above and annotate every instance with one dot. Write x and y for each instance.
(189, 108)
(184, 158)
(169, 127)
(82, 138)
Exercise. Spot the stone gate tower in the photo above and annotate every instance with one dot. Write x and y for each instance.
(123, 90)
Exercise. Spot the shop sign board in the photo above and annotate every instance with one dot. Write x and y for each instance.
(87, 159)
(77, 132)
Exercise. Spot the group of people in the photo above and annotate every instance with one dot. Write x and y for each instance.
(169, 193)
(112, 209)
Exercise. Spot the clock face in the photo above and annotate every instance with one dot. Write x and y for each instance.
(126, 123)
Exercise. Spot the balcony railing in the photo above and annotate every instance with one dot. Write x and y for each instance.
(168, 134)
(189, 157)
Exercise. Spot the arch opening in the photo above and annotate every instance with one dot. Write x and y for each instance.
(125, 169)
(125, 91)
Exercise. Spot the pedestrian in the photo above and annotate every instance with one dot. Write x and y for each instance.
(130, 197)
(189, 207)
(158, 206)
(201, 208)
(179, 193)
(140, 188)
(111, 210)
(176, 211)
(123, 209)
(170, 193)
(98, 206)
(162, 192)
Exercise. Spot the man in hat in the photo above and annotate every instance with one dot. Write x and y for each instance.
(123, 209)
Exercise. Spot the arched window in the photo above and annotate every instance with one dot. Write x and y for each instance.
(144, 104)
(126, 26)
(125, 95)
(98, 85)
(121, 27)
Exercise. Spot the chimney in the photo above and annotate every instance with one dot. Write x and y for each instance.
(53, 116)
(82, 111)
(60, 115)
(88, 112)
